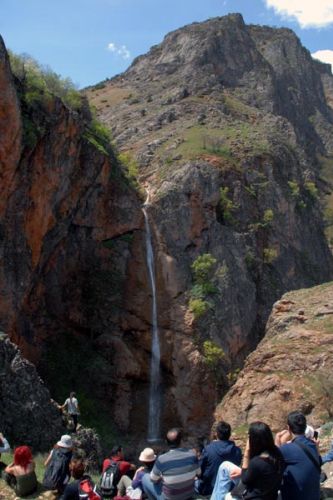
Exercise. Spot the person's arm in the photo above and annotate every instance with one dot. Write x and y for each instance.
(47, 461)
(237, 472)
(282, 437)
(328, 457)
(156, 474)
(137, 479)
(10, 469)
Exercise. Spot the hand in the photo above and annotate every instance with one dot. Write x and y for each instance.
(283, 437)
(235, 473)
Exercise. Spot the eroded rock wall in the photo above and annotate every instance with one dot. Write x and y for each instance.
(291, 367)
(27, 414)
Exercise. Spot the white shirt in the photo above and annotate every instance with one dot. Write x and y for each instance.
(72, 406)
(5, 445)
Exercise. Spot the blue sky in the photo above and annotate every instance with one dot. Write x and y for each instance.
(89, 40)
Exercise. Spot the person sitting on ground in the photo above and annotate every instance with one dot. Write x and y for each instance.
(301, 478)
(57, 465)
(4, 445)
(147, 457)
(261, 471)
(117, 455)
(173, 474)
(72, 407)
(77, 469)
(20, 475)
(221, 449)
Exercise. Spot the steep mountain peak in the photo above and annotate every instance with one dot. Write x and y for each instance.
(220, 48)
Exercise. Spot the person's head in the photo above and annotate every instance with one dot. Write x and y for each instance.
(77, 465)
(296, 422)
(22, 456)
(65, 442)
(260, 439)
(147, 457)
(223, 431)
(174, 437)
(72, 395)
(117, 451)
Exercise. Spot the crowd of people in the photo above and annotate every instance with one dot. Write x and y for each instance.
(287, 468)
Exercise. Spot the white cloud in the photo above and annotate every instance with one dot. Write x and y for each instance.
(120, 50)
(325, 56)
(308, 13)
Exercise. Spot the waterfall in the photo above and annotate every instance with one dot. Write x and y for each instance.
(154, 389)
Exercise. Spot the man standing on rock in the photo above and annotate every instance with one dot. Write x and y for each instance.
(301, 478)
(172, 477)
(72, 406)
(221, 449)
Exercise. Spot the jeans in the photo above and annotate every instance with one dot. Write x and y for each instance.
(152, 490)
(224, 483)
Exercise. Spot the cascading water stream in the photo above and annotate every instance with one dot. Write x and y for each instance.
(154, 389)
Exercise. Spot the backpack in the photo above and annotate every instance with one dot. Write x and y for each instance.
(57, 469)
(88, 490)
(109, 480)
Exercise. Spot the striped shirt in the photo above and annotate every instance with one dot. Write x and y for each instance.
(177, 468)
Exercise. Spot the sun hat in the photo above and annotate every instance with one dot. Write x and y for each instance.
(147, 455)
(65, 441)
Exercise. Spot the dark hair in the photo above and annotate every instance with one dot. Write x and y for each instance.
(223, 431)
(72, 395)
(174, 437)
(77, 465)
(261, 441)
(297, 422)
(116, 449)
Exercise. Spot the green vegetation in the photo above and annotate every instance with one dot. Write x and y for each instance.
(98, 135)
(40, 83)
(268, 217)
(198, 307)
(37, 87)
(311, 189)
(203, 269)
(294, 189)
(213, 355)
(226, 205)
(226, 142)
(131, 167)
(269, 255)
(295, 192)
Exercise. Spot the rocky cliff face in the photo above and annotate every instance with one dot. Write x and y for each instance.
(291, 367)
(226, 123)
(27, 415)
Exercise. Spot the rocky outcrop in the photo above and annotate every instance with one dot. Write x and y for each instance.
(291, 367)
(225, 122)
(27, 414)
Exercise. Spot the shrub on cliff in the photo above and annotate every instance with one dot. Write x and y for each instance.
(203, 268)
(40, 82)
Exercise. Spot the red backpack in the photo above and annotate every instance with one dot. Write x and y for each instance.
(87, 490)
